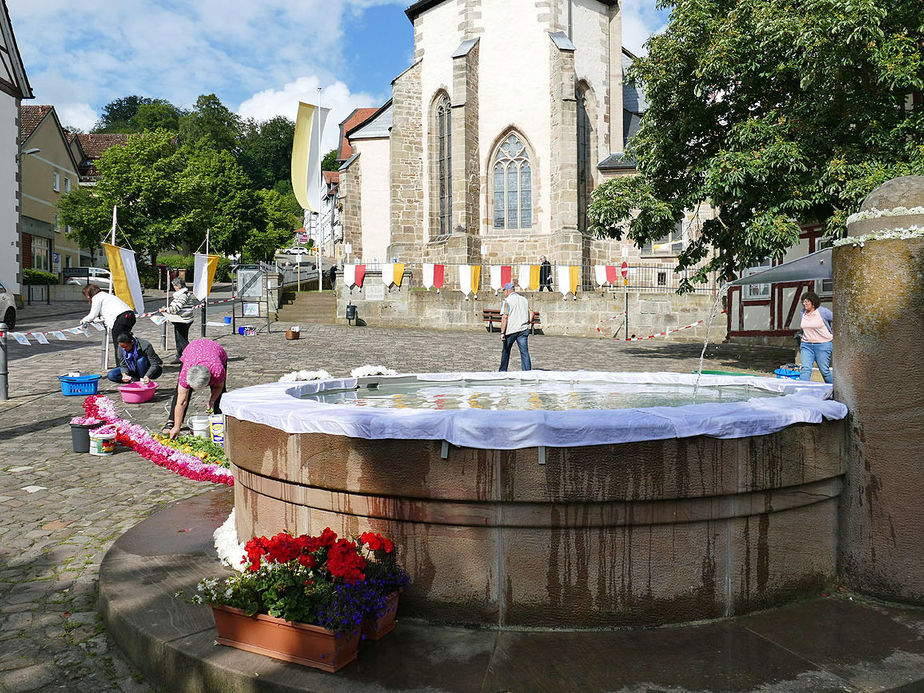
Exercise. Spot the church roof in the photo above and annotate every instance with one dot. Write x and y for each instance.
(356, 118)
(378, 126)
(424, 5)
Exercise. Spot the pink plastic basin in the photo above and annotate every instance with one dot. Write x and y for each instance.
(136, 393)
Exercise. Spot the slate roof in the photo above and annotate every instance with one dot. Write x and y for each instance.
(356, 118)
(29, 119)
(423, 5)
(379, 125)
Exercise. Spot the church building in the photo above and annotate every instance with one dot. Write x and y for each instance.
(511, 114)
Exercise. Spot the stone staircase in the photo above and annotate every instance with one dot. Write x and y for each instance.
(307, 308)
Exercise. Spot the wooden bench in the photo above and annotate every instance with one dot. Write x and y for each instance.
(492, 315)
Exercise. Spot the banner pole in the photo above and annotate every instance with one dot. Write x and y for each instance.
(205, 301)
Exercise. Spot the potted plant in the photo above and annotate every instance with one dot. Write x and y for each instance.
(299, 599)
(385, 580)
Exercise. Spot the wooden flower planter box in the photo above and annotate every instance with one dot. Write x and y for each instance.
(377, 628)
(300, 643)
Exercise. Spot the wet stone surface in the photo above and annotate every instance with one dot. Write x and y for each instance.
(62, 510)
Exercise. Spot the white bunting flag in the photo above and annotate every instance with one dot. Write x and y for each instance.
(75, 330)
(160, 319)
(600, 274)
(99, 328)
(21, 338)
(524, 275)
(40, 337)
(349, 276)
(564, 279)
(496, 278)
(388, 274)
(427, 275)
(60, 335)
(465, 279)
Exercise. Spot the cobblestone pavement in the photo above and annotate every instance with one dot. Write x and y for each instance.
(62, 510)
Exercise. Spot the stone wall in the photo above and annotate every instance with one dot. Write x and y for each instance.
(407, 217)
(649, 313)
(352, 206)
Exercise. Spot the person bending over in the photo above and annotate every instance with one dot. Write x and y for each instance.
(115, 313)
(205, 364)
(136, 360)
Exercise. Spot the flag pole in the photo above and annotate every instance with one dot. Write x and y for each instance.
(106, 338)
(320, 187)
(205, 301)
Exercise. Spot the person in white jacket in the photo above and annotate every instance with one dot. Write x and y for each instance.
(115, 313)
(180, 313)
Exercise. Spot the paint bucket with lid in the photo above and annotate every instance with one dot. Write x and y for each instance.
(102, 441)
(199, 426)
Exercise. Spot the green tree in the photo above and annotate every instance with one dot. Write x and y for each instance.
(330, 162)
(266, 150)
(158, 114)
(210, 122)
(118, 114)
(282, 214)
(774, 112)
(88, 220)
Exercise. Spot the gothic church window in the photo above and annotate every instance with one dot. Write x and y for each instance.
(513, 201)
(584, 181)
(444, 164)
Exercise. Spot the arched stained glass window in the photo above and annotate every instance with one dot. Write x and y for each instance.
(583, 160)
(444, 164)
(513, 185)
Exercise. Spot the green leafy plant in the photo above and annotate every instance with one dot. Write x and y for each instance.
(38, 278)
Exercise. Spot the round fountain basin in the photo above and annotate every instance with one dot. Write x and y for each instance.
(589, 517)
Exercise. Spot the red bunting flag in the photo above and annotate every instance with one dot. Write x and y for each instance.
(612, 272)
(506, 275)
(360, 275)
(439, 272)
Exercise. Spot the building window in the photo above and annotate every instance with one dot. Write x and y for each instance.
(583, 160)
(513, 185)
(754, 292)
(671, 244)
(41, 253)
(67, 185)
(444, 163)
(56, 181)
(57, 224)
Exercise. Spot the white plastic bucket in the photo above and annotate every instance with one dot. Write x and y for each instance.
(102, 442)
(199, 426)
(217, 428)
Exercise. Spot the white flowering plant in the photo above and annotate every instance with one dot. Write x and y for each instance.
(303, 376)
(366, 371)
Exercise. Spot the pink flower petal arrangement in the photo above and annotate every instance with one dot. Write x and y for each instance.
(85, 421)
(139, 439)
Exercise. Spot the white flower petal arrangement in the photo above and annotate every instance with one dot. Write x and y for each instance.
(875, 213)
(299, 376)
(366, 371)
(890, 234)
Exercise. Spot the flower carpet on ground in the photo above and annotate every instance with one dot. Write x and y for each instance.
(146, 444)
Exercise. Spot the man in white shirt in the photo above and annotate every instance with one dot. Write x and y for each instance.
(515, 320)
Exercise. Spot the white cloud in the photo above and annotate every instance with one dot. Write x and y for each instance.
(284, 101)
(640, 20)
(76, 115)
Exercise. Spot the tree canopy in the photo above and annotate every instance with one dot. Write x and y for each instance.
(774, 112)
(136, 113)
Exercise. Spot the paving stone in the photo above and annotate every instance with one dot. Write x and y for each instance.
(29, 678)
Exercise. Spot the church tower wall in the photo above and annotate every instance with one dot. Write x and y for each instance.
(407, 170)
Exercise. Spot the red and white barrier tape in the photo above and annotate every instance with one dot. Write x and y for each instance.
(667, 332)
(615, 317)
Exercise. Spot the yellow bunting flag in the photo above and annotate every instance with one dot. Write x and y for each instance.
(575, 277)
(533, 277)
(125, 281)
(399, 273)
(204, 272)
(476, 278)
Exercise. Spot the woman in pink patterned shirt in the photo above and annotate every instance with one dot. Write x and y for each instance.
(204, 363)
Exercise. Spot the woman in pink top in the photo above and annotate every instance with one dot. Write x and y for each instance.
(817, 337)
(204, 363)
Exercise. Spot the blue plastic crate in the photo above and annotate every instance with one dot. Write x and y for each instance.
(786, 373)
(72, 385)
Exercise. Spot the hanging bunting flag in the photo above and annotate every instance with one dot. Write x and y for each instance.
(60, 335)
(533, 277)
(523, 274)
(612, 272)
(388, 274)
(575, 278)
(124, 272)
(476, 278)
(349, 275)
(306, 155)
(360, 275)
(563, 274)
(398, 273)
(600, 275)
(204, 272)
(439, 275)
(465, 279)
(495, 272)
(40, 337)
(506, 274)
(21, 338)
(427, 275)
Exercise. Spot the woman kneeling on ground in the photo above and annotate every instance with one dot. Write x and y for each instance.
(137, 360)
(204, 363)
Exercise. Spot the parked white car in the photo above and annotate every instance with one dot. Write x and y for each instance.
(98, 276)
(7, 307)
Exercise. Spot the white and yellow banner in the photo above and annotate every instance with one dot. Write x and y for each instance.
(204, 273)
(125, 281)
(306, 155)
(568, 278)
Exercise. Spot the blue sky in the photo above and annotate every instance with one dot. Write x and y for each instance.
(260, 58)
